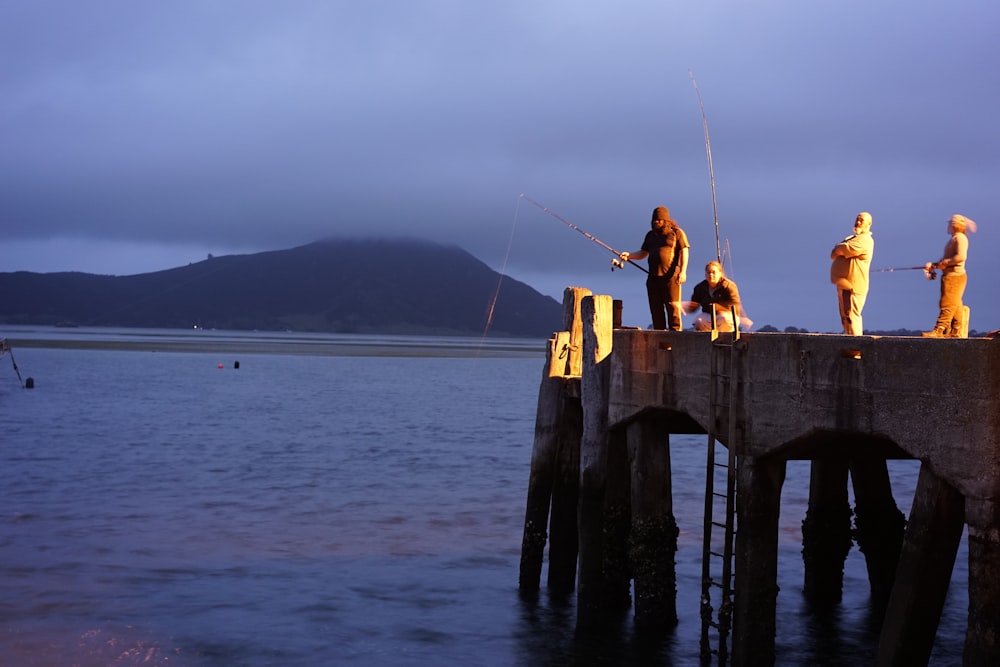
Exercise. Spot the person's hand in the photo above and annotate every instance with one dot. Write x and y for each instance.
(624, 256)
(683, 277)
(928, 266)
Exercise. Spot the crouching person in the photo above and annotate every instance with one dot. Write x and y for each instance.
(719, 291)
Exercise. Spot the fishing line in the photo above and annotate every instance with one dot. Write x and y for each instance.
(500, 277)
(711, 170)
(616, 263)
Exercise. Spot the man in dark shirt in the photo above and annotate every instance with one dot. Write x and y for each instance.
(666, 246)
(721, 292)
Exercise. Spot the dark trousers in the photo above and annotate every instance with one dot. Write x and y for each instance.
(664, 294)
(952, 289)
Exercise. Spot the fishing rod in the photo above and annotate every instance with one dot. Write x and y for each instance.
(930, 273)
(711, 170)
(616, 263)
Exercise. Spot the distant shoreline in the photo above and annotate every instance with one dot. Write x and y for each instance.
(295, 347)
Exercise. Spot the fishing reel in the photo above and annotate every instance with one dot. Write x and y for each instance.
(930, 273)
(617, 263)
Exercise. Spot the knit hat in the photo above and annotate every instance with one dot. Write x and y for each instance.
(661, 213)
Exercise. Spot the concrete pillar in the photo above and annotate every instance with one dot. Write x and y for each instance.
(879, 525)
(616, 594)
(596, 315)
(982, 637)
(826, 532)
(924, 572)
(758, 499)
(653, 541)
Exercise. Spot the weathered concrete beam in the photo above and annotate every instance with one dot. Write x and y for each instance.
(795, 392)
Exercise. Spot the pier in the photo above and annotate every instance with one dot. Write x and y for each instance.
(599, 492)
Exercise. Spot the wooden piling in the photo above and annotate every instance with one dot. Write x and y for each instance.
(553, 480)
(565, 499)
(596, 318)
(548, 424)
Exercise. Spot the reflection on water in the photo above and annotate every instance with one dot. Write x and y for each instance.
(313, 509)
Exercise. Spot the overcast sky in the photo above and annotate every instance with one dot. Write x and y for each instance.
(138, 136)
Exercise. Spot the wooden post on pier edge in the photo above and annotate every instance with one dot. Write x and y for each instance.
(555, 456)
(596, 315)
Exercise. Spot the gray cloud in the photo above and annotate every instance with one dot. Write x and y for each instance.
(243, 126)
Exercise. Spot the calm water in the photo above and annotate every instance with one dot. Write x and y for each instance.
(323, 509)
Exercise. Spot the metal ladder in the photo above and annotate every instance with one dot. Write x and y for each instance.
(720, 531)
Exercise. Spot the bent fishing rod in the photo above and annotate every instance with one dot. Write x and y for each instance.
(616, 263)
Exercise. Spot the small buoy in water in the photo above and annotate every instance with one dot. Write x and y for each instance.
(221, 366)
(29, 383)
(236, 364)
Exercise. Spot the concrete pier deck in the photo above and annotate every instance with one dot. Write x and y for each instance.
(846, 404)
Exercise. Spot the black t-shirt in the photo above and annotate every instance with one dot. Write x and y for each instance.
(664, 250)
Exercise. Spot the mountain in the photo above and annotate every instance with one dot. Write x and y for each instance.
(334, 285)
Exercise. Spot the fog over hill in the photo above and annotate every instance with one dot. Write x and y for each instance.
(334, 285)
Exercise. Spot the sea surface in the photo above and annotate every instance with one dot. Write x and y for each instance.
(215, 499)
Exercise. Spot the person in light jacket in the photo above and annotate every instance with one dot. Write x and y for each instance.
(852, 259)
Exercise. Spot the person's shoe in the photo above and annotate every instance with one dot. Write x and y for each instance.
(936, 333)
